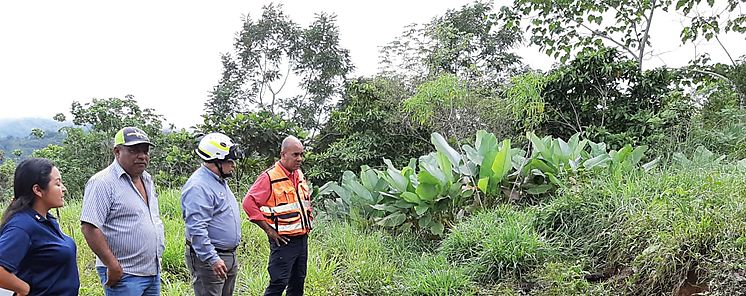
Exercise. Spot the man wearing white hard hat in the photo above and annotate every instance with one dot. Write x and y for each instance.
(212, 218)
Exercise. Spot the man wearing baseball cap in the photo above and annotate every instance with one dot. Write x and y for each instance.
(120, 219)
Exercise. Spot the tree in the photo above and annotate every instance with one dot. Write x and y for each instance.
(448, 105)
(37, 133)
(7, 171)
(267, 52)
(366, 126)
(605, 96)
(471, 43)
(84, 151)
(562, 28)
(110, 115)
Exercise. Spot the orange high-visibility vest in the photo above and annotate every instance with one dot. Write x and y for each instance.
(288, 209)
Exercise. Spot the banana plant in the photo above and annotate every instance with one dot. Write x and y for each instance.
(432, 191)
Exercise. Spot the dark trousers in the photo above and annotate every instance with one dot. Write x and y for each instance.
(287, 266)
(204, 280)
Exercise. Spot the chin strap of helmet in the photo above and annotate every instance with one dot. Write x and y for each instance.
(219, 163)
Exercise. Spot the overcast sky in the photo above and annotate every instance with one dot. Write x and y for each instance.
(167, 53)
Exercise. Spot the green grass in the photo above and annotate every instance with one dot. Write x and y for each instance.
(646, 233)
(497, 244)
(343, 260)
(650, 232)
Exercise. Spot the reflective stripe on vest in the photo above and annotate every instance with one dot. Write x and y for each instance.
(285, 208)
(288, 209)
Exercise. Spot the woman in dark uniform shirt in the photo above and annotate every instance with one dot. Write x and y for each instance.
(36, 258)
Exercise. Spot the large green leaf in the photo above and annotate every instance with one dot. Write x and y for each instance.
(396, 180)
(472, 154)
(343, 193)
(485, 169)
(564, 150)
(539, 189)
(359, 190)
(424, 221)
(502, 163)
(392, 220)
(436, 228)
(431, 170)
(403, 204)
(469, 169)
(327, 188)
(486, 142)
(637, 154)
(420, 209)
(368, 177)
(426, 178)
(540, 146)
(445, 166)
(541, 165)
(385, 207)
(598, 161)
(442, 146)
(483, 184)
(621, 155)
(427, 192)
(391, 165)
(597, 148)
(410, 197)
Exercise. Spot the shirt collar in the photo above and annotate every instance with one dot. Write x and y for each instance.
(119, 171)
(210, 173)
(38, 217)
(284, 170)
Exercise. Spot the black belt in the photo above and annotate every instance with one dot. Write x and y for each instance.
(188, 243)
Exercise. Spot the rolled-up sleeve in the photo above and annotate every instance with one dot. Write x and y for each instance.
(14, 244)
(96, 202)
(198, 207)
(258, 195)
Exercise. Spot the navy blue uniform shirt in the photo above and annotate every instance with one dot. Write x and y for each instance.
(34, 248)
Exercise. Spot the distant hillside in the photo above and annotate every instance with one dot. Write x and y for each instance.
(16, 134)
(21, 127)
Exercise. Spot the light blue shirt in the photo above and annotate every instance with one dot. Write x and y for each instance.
(211, 214)
(133, 229)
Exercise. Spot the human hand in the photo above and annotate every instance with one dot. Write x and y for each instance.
(277, 238)
(25, 289)
(219, 269)
(113, 275)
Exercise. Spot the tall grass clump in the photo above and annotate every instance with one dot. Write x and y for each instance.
(653, 234)
(434, 275)
(497, 244)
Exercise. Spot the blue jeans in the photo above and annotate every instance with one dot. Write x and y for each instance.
(131, 285)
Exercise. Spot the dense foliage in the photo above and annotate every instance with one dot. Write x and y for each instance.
(457, 170)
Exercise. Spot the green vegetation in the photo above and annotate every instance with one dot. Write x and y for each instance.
(640, 233)
(459, 171)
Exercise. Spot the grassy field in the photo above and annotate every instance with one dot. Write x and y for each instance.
(669, 232)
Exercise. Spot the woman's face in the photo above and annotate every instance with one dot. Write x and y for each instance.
(52, 197)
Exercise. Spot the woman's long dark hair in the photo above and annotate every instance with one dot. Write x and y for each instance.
(30, 172)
